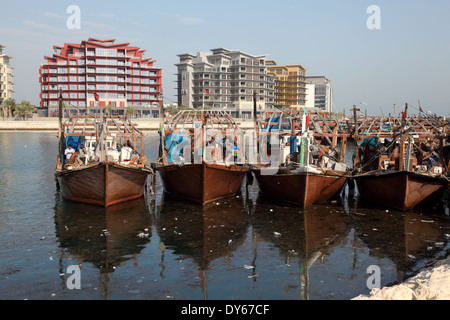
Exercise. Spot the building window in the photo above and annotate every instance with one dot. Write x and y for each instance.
(100, 52)
(112, 52)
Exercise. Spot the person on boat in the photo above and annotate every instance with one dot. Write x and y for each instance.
(69, 152)
(233, 156)
(211, 141)
(82, 153)
(74, 158)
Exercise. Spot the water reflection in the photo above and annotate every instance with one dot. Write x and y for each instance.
(408, 239)
(311, 240)
(104, 237)
(302, 237)
(203, 234)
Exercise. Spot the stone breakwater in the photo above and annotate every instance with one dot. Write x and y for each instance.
(430, 284)
(51, 124)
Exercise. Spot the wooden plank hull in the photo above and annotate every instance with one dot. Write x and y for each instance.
(301, 189)
(202, 183)
(401, 190)
(105, 184)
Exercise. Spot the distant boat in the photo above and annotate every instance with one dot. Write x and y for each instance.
(107, 176)
(298, 180)
(187, 173)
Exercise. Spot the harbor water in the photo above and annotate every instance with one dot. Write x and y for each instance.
(162, 248)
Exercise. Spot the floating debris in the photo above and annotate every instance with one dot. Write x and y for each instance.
(143, 235)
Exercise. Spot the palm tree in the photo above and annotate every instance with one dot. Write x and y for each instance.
(130, 111)
(24, 109)
(7, 107)
(108, 109)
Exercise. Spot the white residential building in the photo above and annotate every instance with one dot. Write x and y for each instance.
(6, 84)
(319, 93)
(224, 79)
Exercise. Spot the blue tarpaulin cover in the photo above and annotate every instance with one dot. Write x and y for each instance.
(172, 141)
(75, 141)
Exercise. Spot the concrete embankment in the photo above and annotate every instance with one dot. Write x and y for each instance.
(430, 284)
(51, 124)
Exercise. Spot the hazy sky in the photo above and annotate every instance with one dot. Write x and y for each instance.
(407, 60)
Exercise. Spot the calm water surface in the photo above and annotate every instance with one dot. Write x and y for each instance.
(163, 248)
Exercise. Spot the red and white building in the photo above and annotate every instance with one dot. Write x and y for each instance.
(115, 73)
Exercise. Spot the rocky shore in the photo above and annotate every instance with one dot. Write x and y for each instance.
(432, 283)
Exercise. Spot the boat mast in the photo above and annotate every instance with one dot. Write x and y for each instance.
(162, 134)
(356, 162)
(255, 127)
(61, 131)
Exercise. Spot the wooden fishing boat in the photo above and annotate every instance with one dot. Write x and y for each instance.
(202, 183)
(400, 168)
(303, 176)
(112, 171)
(105, 183)
(403, 190)
(303, 188)
(190, 167)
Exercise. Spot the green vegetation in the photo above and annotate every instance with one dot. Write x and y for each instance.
(25, 108)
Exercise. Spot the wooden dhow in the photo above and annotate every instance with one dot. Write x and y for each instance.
(113, 171)
(201, 156)
(400, 163)
(310, 169)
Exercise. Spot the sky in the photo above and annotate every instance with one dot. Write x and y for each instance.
(406, 59)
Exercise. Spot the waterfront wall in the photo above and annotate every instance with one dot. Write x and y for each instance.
(51, 124)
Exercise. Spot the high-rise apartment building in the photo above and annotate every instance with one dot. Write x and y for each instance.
(115, 73)
(320, 93)
(290, 90)
(6, 84)
(224, 79)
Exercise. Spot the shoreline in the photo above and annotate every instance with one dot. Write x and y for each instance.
(429, 283)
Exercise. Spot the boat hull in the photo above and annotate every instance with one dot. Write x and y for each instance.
(202, 183)
(105, 184)
(401, 190)
(302, 189)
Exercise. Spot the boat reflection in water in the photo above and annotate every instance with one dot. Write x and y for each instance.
(104, 237)
(410, 240)
(245, 248)
(202, 233)
(303, 237)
